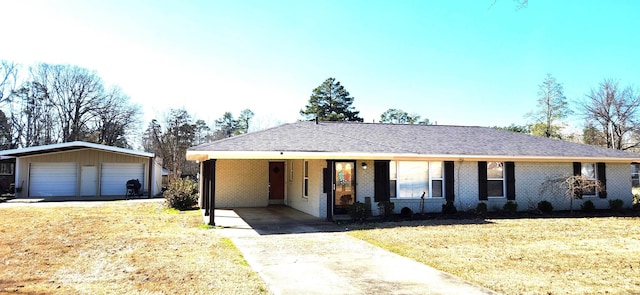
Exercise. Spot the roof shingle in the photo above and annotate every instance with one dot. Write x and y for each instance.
(351, 137)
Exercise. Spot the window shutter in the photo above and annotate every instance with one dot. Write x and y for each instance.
(577, 169)
(326, 180)
(482, 181)
(381, 180)
(602, 177)
(449, 181)
(510, 176)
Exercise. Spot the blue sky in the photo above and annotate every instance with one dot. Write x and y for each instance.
(454, 62)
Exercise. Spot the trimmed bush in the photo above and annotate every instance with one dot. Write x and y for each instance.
(510, 207)
(481, 209)
(182, 194)
(616, 205)
(386, 209)
(587, 206)
(449, 208)
(357, 211)
(545, 206)
(406, 212)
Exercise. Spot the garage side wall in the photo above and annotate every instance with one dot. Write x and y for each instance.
(81, 158)
(242, 183)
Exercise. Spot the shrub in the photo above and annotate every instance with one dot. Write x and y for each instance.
(510, 206)
(481, 209)
(357, 211)
(616, 204)
(406, 212)
(386, 209)
(449, 208)
(587, 206)
(182, 194)
(545, 206)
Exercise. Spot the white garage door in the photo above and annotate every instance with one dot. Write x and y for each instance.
(52, 179)
(114, 177)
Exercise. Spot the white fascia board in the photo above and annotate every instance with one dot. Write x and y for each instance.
(43, 148)
(203, 155)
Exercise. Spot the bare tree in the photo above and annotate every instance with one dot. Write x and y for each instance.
(32, 116)
(76, 94)
(114, 118)
(552, 109)
(613, 111)
(571, 187)
(61, 103)
(172, 143)
(8, 79)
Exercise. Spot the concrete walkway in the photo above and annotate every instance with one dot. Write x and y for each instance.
(296, 253)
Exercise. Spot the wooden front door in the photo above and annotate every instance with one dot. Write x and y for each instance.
(276, 180)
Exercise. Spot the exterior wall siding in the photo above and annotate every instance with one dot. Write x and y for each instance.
(81, 158)
(242, 183)
(315, 203)
(529, 177)
(365, 184)
(245, 183)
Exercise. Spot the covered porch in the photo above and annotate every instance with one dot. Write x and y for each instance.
(270, 220)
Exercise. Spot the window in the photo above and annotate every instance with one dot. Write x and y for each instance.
(306, 179)
(635, 175)
(393, 179)
(6, 168)
(435, 169)
(412, 179)
(495, 179)
(588, 170)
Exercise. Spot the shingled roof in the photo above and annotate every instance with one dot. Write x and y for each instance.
(352, 140)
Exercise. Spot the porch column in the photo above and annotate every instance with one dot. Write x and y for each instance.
(151, 175)
(212, 190)
(327, 180)
(204, 193)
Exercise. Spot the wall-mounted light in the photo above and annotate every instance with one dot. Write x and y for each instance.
(364, 165)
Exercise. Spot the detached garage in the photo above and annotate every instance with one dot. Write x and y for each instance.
(82, 169)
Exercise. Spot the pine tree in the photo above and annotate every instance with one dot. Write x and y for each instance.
(331, 102)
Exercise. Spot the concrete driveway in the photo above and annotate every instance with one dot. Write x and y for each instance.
(296, 253)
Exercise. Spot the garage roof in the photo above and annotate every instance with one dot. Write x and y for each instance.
(70, 146)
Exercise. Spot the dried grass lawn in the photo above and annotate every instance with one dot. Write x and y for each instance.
(524, 256)
(117, 247)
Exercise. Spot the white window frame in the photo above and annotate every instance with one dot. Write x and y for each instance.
(305, 179)
(7, 168)
(504, 183)
(635, 175)
(429, 181)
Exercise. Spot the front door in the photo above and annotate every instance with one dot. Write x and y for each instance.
(88, 181)
(276, 182)
(345, 193)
